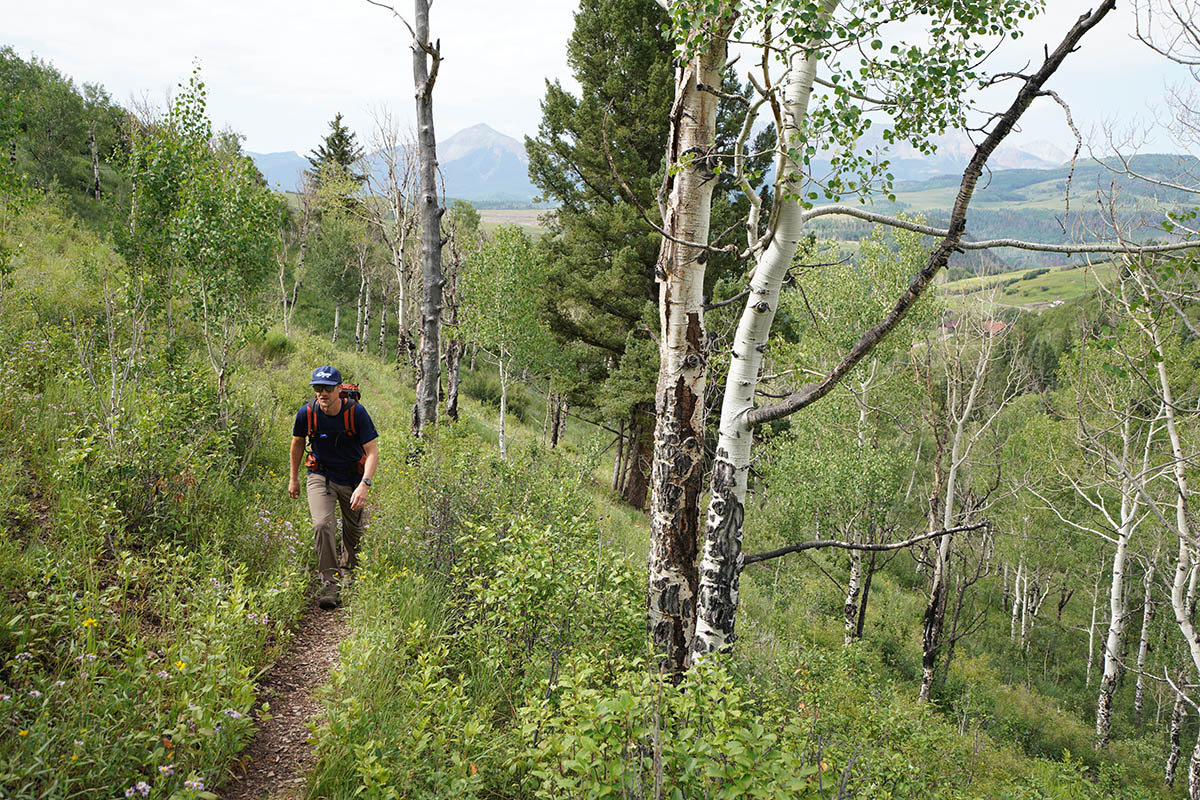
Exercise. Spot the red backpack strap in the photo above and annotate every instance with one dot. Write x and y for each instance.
(348, 418)
(312, 418)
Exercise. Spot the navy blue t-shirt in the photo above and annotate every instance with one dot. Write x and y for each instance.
(337, 450)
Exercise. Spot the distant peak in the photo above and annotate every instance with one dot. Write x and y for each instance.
(476, 137)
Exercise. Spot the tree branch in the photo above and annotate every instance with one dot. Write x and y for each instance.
(820, 543)
(988, 244)
(951, 240)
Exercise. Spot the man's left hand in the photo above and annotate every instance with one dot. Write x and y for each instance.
(359, 498)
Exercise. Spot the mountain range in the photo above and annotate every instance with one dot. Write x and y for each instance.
(478, 164)
(486, 167)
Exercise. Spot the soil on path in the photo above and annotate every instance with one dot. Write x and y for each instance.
(274, 765)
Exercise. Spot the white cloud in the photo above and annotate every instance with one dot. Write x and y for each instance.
(278, 71)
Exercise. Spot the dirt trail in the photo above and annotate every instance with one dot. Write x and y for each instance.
(274, 765)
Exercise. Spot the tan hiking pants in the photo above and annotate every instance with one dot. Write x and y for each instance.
(323, 499)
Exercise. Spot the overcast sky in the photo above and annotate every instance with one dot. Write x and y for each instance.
(278, 71)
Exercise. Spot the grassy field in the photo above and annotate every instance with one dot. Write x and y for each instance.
(527, 218)
(1029, 289)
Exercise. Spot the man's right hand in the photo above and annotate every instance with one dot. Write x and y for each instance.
(293, 488)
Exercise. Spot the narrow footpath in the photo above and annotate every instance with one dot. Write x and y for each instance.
(274, 765)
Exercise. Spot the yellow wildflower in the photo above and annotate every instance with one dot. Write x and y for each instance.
(90, 622)
(180, 665)
(23, 732)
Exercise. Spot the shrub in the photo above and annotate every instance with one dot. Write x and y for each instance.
(614, 729)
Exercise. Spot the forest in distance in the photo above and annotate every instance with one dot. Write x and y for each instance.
(737, 468)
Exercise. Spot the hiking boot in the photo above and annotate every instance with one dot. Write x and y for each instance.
(330, 597)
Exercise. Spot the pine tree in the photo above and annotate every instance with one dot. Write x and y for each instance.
(600, 254)
(339, 148)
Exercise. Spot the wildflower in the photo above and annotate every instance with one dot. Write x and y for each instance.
(233, 714)
(5, 697)
(60, 683)
(25, 656)
(90, 622)
(180, 665)
(34, 693)
(166, 769)
(162, 673)
(79, 743)
(23, 732)
(143, 788)
(191, 784)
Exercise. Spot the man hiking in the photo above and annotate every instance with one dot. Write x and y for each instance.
(341, 463)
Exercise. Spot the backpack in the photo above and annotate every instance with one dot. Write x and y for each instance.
(350, 397)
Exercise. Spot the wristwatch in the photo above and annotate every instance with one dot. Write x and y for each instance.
(367, 481)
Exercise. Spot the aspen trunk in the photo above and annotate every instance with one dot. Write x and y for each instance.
(853, 591)
(935, 611)
(558, 421)
(428, 379)
(1112, 644)
(1114, 641)
(1016, 602)
(1139, 694)
(639, 457)
(358, 316)
(1174, 750)
(337, 313)
(95, 187)
(382, 325)
(677, 479)
(721, 561)
(454, 351)
(503, 405)
(366, 327)
(866, 597)
(619, 465)
(1025, 598)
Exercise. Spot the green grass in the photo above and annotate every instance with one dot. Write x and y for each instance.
(1017, 290)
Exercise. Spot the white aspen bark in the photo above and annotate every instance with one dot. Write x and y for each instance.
(935, 612)
(676, 475)
(1181, 604)
(853, 594)
(1139, 694)
(95, 187)
(366, 326)
(503, 405)
(1016, 601)
(1025, 613)
(337, 314)
(1174, 750)
(358, 308)
(382, 325)
(854, 587)
(721, 561)
(1116, 603)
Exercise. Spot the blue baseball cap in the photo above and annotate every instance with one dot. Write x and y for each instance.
(326, 376)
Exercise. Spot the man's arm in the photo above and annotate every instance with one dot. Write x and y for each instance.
(297, 453)
(371, 451)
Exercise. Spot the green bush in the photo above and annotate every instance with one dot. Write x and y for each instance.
(611, 728)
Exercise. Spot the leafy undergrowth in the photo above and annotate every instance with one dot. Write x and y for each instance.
(498, 651)
(151, 564)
